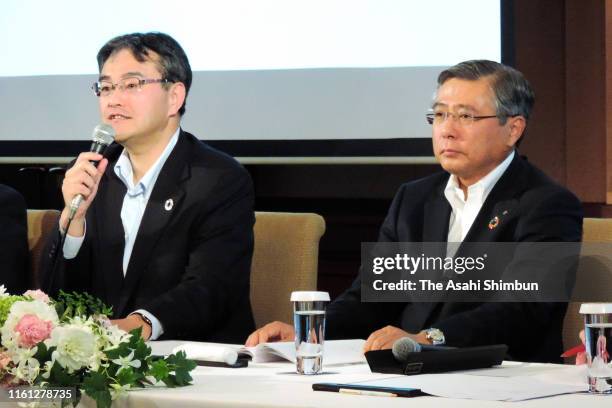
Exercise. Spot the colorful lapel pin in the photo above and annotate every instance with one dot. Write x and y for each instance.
(494, 222)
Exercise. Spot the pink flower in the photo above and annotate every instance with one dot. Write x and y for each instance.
(37, 295)
(32, 330)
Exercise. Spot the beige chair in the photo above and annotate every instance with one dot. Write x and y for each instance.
(600, 285)
(41, 224)
(284, 259)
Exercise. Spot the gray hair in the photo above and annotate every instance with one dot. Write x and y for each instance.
(513, 94)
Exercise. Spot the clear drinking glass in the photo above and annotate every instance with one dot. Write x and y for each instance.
(309, 324)
(598, 344)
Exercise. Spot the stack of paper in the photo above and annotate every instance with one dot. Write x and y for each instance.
(334, 351)
(516, 387)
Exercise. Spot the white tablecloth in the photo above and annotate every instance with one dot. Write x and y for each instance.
(277, 385)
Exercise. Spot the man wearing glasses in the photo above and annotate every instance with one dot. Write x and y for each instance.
(165, 231)
(478, 117)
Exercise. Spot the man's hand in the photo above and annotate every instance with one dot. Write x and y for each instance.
(581, 356)
(385, 337)
(132, 322)
(275, 331)
(82, 178)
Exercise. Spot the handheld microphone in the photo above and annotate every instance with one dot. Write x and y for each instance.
(103, 135)
(406, 345)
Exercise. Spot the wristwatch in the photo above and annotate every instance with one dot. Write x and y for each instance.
(435, 336)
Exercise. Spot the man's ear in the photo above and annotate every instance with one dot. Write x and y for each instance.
(516, 126)
(177, 94)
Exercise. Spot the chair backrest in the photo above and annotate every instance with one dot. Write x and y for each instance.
(284, 259)
(41, 224)
(594, 230)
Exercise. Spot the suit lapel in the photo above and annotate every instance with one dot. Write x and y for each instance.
(436, 215)
(496, 212)
(110, 235)
(164, 202)
(499, 205)
(435, 229)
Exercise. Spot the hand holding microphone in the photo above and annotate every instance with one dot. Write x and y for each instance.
(81, 180)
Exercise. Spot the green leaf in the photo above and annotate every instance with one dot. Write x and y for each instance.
(181, 367)
(128, 376)
(170, 381)
(141, 351)
(120, 351)
(136, 337)
(69, 305)
(43, 353)
(59, 376)
(96, 386)
(159, 369)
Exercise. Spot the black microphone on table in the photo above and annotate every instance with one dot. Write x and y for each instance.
(406, 345)
(103, 135)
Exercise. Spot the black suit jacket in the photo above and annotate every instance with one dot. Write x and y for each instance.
(13, 241)
(536, 209)
(190, 265)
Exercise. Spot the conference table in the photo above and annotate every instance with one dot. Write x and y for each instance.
(277, 385)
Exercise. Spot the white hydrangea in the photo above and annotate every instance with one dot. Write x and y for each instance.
(77, 346)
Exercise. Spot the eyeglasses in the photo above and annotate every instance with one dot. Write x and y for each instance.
(130, 85)
(464, 119)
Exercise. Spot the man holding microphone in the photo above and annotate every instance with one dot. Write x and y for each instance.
(164, 232)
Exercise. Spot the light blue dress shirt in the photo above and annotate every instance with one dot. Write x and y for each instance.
(134, 205)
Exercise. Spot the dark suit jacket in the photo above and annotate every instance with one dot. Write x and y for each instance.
(538, 210)
(13, 241)
(190, 265)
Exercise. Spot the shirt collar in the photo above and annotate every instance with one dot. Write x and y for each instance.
(123, 169)
(479, 190)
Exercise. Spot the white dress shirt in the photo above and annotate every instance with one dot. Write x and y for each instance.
(465, 209)
(134, 204)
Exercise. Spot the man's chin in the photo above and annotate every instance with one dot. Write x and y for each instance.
(121, 138)
(450, 165)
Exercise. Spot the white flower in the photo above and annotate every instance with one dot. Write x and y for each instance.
(24, 354)
(117, 390)
(115, 336)
(47, 370)
(76, 346)
(126, 362)
(27, 370)
(3, 292)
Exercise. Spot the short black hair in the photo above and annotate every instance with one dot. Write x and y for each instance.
(513, 93)
(173, 63)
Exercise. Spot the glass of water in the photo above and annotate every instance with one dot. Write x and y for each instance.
(598, 343)
(309, 324)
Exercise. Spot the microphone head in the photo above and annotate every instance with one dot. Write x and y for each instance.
(404, 346)
(103, 134)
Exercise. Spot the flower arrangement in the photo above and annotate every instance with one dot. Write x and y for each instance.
(69, 342)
